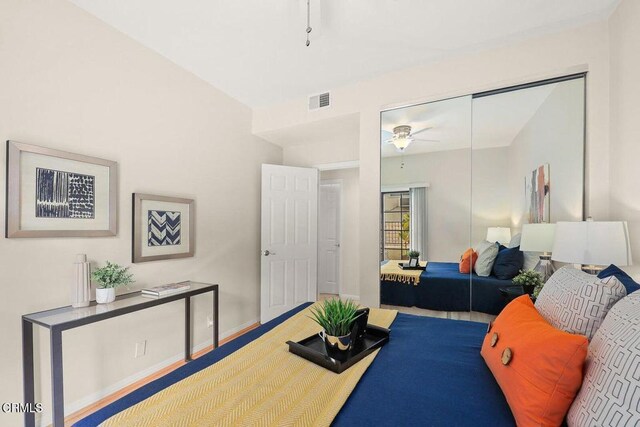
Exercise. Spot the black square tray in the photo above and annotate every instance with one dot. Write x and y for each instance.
(405, 266)
(312, 349)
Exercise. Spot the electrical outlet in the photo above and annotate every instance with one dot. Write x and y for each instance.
(210, 321)
(141, 349)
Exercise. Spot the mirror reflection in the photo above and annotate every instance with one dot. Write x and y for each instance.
(461, 179)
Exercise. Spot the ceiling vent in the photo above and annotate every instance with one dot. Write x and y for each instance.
(319, 101)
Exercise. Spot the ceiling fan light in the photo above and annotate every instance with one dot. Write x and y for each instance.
(402, 143)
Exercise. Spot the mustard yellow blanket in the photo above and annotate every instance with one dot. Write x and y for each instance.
(261, 384)
(393, 272)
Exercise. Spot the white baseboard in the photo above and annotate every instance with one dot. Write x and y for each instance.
(46, 418)
(351, 297)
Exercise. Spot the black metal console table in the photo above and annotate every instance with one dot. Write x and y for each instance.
(63, 318)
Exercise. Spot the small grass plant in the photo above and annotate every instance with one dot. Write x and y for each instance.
(335, 316)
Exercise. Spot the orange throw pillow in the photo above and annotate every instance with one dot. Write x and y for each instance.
(538, 367)
(468, 260)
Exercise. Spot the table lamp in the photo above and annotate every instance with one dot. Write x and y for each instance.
(594, 244)
(539, 238)
(501, 235)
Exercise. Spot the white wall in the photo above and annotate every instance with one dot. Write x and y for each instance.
(332, 151)
(625, 129)
(71, 82)
(577, 49)
(349, 212)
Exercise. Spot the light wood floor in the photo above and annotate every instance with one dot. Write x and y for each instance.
(456, 315)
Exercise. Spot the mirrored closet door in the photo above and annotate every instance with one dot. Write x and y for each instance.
(426, 207)
(527, 174)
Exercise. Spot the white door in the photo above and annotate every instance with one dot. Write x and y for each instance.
(329, 238)
(289, 239)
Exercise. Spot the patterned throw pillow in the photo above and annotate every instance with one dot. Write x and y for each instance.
(610, 393)
(577, 302)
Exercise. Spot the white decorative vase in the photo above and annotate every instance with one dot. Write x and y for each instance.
(105, 295)
(81, 290)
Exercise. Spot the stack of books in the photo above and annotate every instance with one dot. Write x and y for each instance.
(164, 290)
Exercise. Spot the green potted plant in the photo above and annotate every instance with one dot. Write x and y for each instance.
(108, 278)
(530, 281)
(336, 317)
(414, 258)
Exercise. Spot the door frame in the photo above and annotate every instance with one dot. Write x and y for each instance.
(339, 183)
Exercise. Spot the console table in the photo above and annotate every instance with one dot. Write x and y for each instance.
(63, 318)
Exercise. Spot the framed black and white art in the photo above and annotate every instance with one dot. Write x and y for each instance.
(163, 228)
(53, 193)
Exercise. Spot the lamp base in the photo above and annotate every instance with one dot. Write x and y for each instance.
(592, 269)
(545, 267)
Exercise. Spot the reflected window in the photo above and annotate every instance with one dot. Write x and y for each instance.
(396, 221)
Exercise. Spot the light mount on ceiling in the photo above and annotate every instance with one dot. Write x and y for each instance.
(308, 31)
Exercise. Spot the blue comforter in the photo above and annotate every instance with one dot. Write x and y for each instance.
(442, 287)
(429, 374)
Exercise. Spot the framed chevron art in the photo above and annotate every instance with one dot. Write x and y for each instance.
(163, 228)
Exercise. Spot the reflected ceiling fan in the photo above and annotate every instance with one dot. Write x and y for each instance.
(402, 137)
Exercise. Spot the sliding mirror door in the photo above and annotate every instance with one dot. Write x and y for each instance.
(426, 206)
(527, 174)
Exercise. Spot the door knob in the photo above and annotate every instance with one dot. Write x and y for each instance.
(267, 253)
(337, 245)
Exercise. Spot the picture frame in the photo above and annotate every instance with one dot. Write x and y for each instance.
(162, 228)
(54, 193)
(413, 262)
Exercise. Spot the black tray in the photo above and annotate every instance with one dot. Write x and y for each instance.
(312, 349)
(405, 266)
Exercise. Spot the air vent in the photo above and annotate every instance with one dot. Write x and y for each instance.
(319, 101)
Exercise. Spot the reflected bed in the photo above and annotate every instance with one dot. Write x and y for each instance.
(443, 288)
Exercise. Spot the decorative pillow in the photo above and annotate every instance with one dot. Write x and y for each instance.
(467, 261)
(531, 259)
(508, 263)
(623, 277)
(515, 240)
(487, 253)
(610, 394)
(577, 302)
(538, 367)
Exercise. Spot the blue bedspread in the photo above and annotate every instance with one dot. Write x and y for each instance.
(430, 373)
(442, 287)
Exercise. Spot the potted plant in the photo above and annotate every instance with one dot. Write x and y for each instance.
(336, 317)
(530, 280)
(414, 258)
(108, 278)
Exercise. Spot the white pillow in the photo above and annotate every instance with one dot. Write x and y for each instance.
(487, 253)
(610, 393)
(578, 302)
(515, 241)
(530, 260)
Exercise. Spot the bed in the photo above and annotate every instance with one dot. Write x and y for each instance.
(430, 373)
(442, 287)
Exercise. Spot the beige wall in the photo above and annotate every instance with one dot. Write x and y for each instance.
(69, 81)
(625, 130)
(349, 212)
(338, 150)
(578, 49)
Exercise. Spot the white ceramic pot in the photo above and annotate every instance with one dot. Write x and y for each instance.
(105, 295)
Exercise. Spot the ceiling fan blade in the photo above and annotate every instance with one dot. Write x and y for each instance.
(425, 140)
(385, 134)
(421, 130)
(389, 141)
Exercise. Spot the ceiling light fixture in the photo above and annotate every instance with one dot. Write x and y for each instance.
(308, 21)
(402, 137)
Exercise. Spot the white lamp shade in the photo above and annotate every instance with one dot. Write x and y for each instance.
(499, 234)
(592, 243)
(537, 237)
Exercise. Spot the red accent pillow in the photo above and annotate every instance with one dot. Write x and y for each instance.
(538, 367)
(468, 260)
